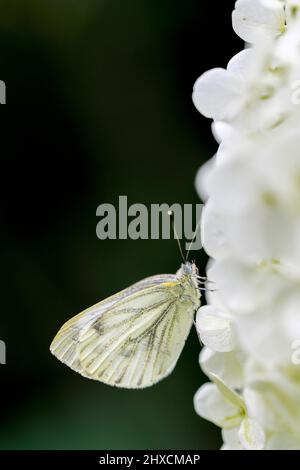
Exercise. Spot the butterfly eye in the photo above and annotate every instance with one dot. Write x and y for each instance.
(187, 268)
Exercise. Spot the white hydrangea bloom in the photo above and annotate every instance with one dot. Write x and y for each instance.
(251, 231)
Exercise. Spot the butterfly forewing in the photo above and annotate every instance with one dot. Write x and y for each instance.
(132, 339)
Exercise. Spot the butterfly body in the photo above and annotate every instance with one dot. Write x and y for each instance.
(134, 338)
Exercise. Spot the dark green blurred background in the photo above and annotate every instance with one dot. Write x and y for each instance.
(98, 105)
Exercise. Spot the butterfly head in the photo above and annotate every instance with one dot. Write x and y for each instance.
(189, 268)
(189, 272)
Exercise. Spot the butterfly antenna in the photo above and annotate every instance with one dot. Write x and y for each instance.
(171, 214)
(193, 239)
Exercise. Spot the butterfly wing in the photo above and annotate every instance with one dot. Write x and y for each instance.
(132, 339)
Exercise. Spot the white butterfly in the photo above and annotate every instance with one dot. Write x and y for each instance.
(134, 338)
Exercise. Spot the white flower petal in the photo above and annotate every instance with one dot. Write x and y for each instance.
(245, 287)
(230, 395)
(264, 336)
(228, 366)
(214, 330)
(217, 94)
(213, 235)
(241, 64)
(252, 435)
(231, 439)
(221, 130)
(210, 404)
(251, 18)
(202, 178)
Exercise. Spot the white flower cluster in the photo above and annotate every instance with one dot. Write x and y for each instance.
(251, 231)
